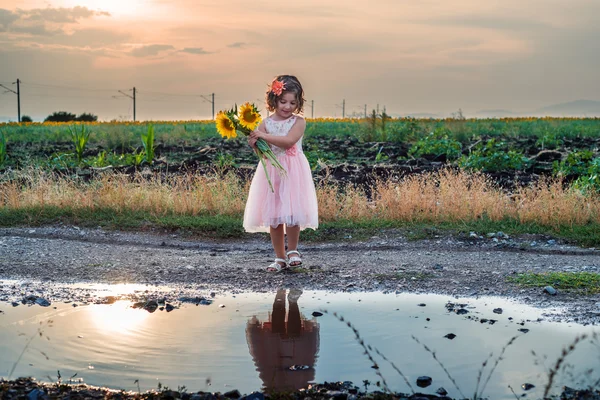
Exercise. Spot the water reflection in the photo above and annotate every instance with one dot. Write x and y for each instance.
(285, 346)
(120, 318)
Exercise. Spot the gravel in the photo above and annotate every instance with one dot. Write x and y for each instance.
(44, 260)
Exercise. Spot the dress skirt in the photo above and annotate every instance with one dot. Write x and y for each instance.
(293, 201)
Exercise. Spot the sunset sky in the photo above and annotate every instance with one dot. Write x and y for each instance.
(411, 56)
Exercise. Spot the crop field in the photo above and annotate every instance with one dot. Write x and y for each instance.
(519, 175)
(353, 150)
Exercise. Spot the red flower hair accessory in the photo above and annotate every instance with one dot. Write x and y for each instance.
(277, 87)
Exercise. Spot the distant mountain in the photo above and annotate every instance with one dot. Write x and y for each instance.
(422, 115)
(495, 113)
(577, 108)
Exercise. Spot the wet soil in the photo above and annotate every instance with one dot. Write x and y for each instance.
(43, 260)
(346, 160)
(28, 388)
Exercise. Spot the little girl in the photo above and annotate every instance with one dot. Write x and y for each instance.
(292, 204)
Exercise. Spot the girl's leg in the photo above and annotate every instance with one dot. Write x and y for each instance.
(278, 315)
(293, 237)
(294, 323)
(278, 241)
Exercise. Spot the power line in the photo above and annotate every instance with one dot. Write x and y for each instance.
(131, 97)
(67, 87)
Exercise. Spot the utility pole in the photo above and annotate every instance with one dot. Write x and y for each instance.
(19, 99)
(344, 108)
(312, 109)
(212, 101)
(377, 108)
(365, 111)
(131, 97)
(18, 93)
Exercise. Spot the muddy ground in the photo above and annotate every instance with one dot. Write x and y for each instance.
(339, 160)
(43, 260)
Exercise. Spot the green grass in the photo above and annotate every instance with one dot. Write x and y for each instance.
(587, 282)
(208, 226)
(217, 226)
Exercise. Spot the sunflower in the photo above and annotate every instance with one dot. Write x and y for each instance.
(225, 126)
(249, 116)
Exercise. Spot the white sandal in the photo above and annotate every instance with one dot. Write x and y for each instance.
(294, 261)
(276, 266)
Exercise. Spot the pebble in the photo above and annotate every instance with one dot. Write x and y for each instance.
(450, 336)
(424, 381)
(527, 386)
(550, 290)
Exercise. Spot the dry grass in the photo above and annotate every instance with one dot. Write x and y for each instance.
(181, 195)
(446, 196)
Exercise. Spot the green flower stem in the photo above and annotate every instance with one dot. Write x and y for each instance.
(264, 151)
(262, 162)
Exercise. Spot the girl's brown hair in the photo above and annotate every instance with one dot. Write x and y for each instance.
(291, 85)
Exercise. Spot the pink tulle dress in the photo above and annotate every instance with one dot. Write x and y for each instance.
(293, 201)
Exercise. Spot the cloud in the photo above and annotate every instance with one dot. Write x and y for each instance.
(150, 50)
(238, 45)
(35, 29)
(92, 37)
(195, 50)
(7, 18)
(44, 21)
(60, 15)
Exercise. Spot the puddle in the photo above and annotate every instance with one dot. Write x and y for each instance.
(242, 341)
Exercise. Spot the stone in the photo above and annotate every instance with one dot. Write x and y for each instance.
(336, 394)
(151, 306)
(527, 386)
(424, 381)
(42, 302)
(299, 367)
(233, 394)
(550, 290)
(36, 394)
(450, 336)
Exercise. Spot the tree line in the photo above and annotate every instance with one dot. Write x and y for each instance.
(65, 116)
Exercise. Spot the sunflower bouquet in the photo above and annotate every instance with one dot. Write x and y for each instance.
(245, 121)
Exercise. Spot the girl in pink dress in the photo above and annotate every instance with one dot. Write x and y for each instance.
(292, 204)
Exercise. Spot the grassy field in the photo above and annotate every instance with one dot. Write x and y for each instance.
(115, 134)
(213, 205)
(43, 176)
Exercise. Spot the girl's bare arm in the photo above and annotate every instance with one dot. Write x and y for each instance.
(284, 142)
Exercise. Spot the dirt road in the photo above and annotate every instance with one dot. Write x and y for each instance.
(43, 260)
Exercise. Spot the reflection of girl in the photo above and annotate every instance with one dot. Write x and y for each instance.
(282, 343)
